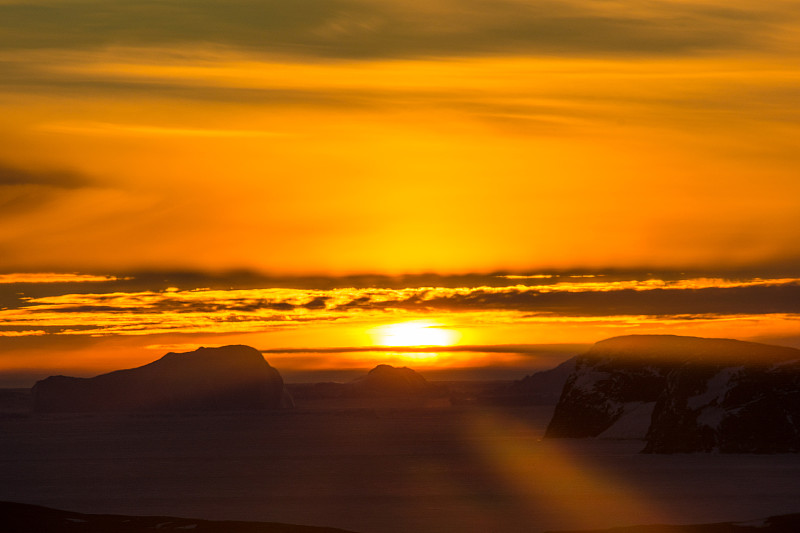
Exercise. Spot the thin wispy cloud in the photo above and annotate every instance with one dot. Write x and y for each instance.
(22, 333)
(53, 277)
(105, 129)
(20, 177)
(23, 190)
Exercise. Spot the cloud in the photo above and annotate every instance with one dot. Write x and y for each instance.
(529, 95)
(351, 29)
(250, 310)
(58, 179)
(139, 130)
(53, 277)
(761, 299)
(22, 333)
(23, 190)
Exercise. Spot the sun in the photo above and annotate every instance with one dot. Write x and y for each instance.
(413, 333)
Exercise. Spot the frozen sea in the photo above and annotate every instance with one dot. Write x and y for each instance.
(386, 467)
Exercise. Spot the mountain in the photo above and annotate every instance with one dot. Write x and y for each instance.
(387, 380)
(24, 518)
(383, 381)
(207, 379)
(540, 388)
(613, 375)
(742, 407)
(704, 394)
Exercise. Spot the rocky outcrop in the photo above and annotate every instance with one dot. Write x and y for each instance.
(611, 376)
(705, 394)
(744, 407)
(207, 379)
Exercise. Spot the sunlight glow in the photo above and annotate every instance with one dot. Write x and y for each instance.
(52, 277)
(572, 487)
(414, 333)
(417, 357)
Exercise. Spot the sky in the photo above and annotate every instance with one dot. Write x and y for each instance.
(526, 176)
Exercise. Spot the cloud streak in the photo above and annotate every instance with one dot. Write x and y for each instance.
(23, 190)
(135, 130)
(250, 310)
(350, 29)
(54, 277)
(17, 177)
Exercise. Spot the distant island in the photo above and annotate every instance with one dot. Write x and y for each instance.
(383, 381)
(207, 379)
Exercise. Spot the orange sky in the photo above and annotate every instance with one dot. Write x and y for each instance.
(400, 137)
(335, 137)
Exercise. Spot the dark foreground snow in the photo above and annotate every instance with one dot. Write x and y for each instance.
(25, 518)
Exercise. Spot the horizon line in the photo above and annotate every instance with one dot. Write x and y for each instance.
(484, 348)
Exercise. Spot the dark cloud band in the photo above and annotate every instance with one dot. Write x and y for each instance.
(351, 29)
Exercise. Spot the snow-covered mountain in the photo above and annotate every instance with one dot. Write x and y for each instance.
(704, 394)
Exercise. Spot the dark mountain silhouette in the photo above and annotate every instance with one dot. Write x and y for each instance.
(386, 380)
(706, 394)
(230, 377)
(24, 518)
(540, 388)
(383, 381)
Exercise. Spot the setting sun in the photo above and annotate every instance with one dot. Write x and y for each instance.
(416, 333)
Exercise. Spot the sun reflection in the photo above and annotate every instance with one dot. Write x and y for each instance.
(413, 333)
